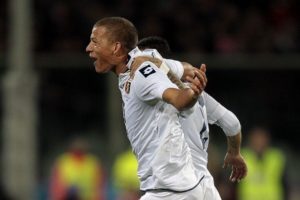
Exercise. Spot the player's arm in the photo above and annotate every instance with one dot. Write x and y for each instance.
(186, 98)
(219, 115)
(184, 69)
(152, 83)
(234, 158)
(189, 70)
(180, 99)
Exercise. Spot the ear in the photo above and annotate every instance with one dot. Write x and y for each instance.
(117, 51)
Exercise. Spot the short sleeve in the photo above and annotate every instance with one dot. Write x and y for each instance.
(175, 66)
(213, 108)
(219, 115)
(150, 82)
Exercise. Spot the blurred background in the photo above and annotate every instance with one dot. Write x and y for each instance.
(50, 93)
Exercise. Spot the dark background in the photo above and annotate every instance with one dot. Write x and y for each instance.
(258, 79)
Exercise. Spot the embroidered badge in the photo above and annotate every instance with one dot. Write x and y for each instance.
(127, 86)
(147, 70)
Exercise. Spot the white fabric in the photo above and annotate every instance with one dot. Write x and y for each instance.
(195, 125)
(175, 66)
(206, 190)
(154, 131)
(210, 190)
(196, 130)
(229, 123)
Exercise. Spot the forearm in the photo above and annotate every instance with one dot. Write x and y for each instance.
(180, 99)
(234, 143)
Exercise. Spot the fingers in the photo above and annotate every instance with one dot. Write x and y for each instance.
(242, 172)
(203, 68)
(232, 176)
(191, 72)
(225, 165)
(194, 85)
(201, 76)
(238, 167)
(199, 80)
(238, 173)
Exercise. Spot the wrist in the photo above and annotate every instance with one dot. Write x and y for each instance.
(193, 94)
(233, 151)
(233, 144)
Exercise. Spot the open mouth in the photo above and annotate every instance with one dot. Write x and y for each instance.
(93, 58)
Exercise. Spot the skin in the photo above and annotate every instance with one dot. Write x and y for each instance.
(234, 158)
(110, 55)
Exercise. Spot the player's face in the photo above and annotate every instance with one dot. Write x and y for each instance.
(100, 49)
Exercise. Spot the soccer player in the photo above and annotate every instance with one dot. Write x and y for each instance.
(151, 104)
(195, 126)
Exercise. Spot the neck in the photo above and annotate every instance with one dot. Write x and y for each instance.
(120, 69)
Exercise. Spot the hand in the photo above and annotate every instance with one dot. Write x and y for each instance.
(198, 81)
(238, 166)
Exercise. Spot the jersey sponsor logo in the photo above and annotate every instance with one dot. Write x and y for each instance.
(147, 70)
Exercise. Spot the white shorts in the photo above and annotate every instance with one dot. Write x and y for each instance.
(206, 190)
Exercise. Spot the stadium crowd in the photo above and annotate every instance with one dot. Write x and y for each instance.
(190, 26)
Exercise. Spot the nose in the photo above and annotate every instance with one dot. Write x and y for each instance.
(88, 48)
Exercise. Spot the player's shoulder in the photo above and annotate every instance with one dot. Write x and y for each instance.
(146, 69)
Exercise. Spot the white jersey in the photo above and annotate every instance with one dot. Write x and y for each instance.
(196, 128)
(195, 124)
(154, 130)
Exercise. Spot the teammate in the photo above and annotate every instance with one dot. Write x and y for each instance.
(155, 42)
(151, 104)
(196, 129)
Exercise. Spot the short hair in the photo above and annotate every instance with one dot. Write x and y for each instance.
(155, 42)
(121, 30)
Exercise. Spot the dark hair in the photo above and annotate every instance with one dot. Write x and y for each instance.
(155, 42)
(121, 30)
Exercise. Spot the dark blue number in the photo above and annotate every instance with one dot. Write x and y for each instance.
(203, 137)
